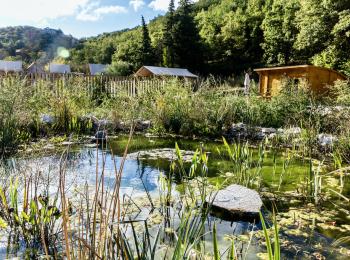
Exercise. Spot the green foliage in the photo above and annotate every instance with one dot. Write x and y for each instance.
(120, 68)
(14, 101)
(32, 219)
(146, 51)
(280, 32)
(233, 36)
(32, 44)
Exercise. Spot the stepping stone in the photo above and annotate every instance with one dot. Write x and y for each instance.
(236, 202)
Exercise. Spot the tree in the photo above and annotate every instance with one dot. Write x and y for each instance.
(146, 55)
(315, 21)
(168, 46)
(280, 32)
(186, 40)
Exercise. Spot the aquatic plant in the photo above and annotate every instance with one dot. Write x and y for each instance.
(32, 220)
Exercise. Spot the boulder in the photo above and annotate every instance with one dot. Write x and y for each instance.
(236, 202)
(265, 132)
(101, 135)
(326, 139)
(293, 131)
(142, 125)
(47, 119)
(162, 153)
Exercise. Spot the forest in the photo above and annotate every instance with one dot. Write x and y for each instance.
(32, 44)
(224, 37)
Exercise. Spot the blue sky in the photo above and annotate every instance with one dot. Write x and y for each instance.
(81, 18)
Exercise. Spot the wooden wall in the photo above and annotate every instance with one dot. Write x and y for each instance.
(319, 79)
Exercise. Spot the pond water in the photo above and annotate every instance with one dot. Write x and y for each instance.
(279, 176)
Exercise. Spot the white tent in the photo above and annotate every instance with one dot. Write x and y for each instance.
(10, 66)
(59, 68)
(147, 71)
(97, 69)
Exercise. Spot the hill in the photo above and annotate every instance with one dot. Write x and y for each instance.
(30, 43)
(240, 34)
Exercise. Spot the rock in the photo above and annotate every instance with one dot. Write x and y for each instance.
(236, 201)
(47, 119)
(326, 139)
(239, 130)
(265, 133)
(90, 145)
(66, 143)
(163, 153)
(292, 131)
(98, 124)
(101, 135)
(142, 125)
(49, 147)
(268, 131)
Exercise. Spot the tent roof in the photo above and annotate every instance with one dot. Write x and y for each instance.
(96, 69)
(10, 65)
(59, 68)
(162, 71)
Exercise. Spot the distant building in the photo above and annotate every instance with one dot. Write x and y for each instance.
(10, 66)
(35, 68)
(150, 71)
(318, 78)
(97, 69)
(59, 68)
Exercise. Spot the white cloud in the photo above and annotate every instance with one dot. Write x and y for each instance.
(92, 12)
(163, 5)
(41, 11)
(160, 5)
(137, 4)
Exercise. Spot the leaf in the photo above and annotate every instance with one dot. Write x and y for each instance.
(3, 223)
(215, 244)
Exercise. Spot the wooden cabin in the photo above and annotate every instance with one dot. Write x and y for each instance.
(318, 78)
(152, 71)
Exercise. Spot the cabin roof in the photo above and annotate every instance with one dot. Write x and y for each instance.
(7, 66)
(59, 68)
(284, 68)
(96, 69)
(163, 71)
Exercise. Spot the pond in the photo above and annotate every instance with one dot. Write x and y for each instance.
(279, 176)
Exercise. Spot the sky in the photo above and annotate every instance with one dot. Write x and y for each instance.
(80, 18)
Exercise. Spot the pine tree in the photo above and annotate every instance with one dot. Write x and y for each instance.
(186, 40)
(168, 46)
(146, 51)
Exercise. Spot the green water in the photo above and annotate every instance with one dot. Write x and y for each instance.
(284, 184)
(281, 177)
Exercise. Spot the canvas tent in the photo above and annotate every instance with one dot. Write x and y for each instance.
(59, 68)
(149, 71)
(10, 66)
(97, 69)
(35, 68)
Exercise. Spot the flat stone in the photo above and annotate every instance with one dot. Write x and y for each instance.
(90, 145)
(163, 153)
(236, 201)
(66, 143)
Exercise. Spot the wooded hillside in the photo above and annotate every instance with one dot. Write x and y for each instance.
(29, 43)
(232, 35)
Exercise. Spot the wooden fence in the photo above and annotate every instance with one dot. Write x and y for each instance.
(110, 85)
